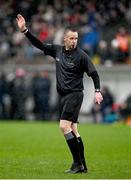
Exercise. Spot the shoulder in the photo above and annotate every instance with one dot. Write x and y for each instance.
(83, 54)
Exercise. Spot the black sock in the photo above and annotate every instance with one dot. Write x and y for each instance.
(81, 148)
(74, 147)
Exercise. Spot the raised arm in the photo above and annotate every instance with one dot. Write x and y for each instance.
(48, 49)
(23, 29)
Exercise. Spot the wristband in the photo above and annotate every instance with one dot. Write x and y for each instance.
(24, 31)
(97, 90)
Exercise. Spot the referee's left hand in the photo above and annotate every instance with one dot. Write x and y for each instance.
(98, 97)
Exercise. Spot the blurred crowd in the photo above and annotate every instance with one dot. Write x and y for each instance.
(27, 96)
(109, 110)
(103, 28)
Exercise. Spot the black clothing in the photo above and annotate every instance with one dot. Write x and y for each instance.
(75, 168)
(41, 96)
(74, 148)
(18, 94)
(3, 91)
(81, 149)
(69, 106)
(70, 66)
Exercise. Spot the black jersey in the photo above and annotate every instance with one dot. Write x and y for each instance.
(70, 65)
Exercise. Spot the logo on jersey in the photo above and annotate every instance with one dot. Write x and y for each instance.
(72, 64)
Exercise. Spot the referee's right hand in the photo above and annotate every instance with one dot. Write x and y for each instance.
(21, 22)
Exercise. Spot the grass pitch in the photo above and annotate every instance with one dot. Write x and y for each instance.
(38, 151)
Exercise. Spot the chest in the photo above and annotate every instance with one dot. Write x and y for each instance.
(69, 62)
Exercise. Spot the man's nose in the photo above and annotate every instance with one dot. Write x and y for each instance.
(74, 41)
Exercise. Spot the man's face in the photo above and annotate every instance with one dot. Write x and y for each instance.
(70, 40)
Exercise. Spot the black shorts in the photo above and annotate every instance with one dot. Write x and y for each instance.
(69, 106)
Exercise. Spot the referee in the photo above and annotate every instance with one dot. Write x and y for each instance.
(71, 63)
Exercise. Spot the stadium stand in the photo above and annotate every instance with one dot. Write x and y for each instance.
(97, 21)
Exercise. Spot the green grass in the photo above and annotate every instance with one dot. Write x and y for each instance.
(39, 151)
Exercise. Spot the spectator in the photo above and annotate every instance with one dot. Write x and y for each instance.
(97, 16)
(122, 38)
(123, 41)
(90, 40)
(104, 112)
(41, 95)
(2, 95)
(106, 106)
(18, 95)
(104, 52)
(125, 109)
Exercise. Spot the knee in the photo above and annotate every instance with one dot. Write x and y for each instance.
(64, 128)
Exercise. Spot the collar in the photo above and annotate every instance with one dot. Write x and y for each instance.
(69, 51)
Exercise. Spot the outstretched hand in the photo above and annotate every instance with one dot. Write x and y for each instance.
(98, 97)
(21, 22)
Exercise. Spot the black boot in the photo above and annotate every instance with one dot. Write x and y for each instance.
(75, 168)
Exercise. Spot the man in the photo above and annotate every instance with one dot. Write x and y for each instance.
(71, 63)
(41, 95)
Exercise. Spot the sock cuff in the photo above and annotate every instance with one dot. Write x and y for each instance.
(69, 136)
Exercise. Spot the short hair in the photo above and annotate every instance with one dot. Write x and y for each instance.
(71, 28)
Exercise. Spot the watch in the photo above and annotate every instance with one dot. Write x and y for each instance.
(97, 90)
